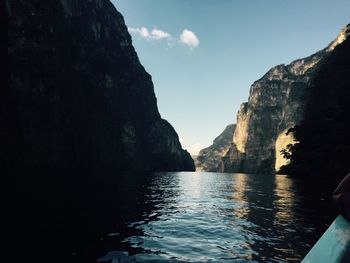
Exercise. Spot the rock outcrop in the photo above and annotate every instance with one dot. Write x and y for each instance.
(209, 158)
(276, 103)
(323, 135)
(77, 94)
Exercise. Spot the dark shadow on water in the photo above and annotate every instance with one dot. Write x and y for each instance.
(76, 213)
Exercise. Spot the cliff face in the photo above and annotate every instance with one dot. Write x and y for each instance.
(77, 94)
(209, 158)
(323, 135)
(276, 103)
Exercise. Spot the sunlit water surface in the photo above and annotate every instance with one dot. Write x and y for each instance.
(202, 217)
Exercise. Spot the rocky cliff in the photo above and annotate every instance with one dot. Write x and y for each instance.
(209, 158)
(276, 103)
(323, 135)
(77, 94)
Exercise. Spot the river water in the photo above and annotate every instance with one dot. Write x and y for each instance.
(199, 217)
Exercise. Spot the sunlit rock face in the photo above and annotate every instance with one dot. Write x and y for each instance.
(343, 35)
(77, 94)
(209, 158)
(282, 141)
(276, 103)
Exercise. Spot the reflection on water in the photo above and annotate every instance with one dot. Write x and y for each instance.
(201, 217)
(238, 196)
(284, 201)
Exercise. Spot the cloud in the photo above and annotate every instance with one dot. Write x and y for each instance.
(195, 148)
(142, 31)
(189, 38)
(155, 34)
(159, 34)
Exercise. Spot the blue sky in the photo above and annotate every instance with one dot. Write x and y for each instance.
(204, 55)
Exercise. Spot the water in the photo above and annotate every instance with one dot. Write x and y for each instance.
(198, 217)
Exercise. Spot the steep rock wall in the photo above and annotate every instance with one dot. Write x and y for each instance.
(77, 94)
(322, 151)
(209, 158)
(276, 103)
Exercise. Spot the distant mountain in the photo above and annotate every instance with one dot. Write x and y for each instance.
(276, 103)
(77, 94)
(323, 135)
(209, 158)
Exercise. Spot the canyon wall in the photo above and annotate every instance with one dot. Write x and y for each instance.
(208, 159)
(323, 138)
(276, 103)
(77, 94)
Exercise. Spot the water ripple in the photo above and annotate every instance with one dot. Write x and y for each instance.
(210, 217)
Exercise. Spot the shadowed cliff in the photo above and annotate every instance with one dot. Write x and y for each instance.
(323, 135)
(77, 95)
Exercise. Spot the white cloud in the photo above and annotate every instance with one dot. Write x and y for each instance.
(142, 31)
(155, 34)
(189, 38)
(159, 34)
(195, 148)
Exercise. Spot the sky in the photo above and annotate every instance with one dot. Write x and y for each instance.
(204, 55)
